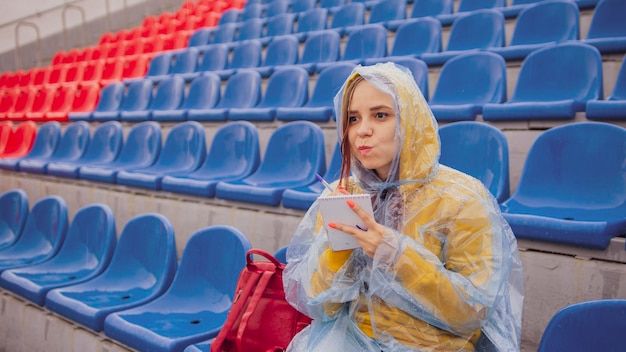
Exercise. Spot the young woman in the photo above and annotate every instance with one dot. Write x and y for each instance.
(438, 268)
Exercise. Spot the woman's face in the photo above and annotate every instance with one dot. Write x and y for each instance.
(372, 127)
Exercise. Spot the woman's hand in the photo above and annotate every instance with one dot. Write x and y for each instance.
(368, 238)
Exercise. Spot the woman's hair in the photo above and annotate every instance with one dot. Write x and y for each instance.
(346, 153)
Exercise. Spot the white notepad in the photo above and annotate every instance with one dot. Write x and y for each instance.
(335, 209)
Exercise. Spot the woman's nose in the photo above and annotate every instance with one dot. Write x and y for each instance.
(365, 128)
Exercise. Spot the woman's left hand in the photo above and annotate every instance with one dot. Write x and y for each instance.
(368, 238)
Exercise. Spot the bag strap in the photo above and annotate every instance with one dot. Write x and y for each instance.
(264, 254)
(254, 302)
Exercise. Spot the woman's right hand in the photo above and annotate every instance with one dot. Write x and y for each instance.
(339, 191)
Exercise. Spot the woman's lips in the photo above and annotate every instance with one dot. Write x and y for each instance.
(363, 150)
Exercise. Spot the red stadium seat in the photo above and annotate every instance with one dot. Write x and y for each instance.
(20, 141)
(62, 102)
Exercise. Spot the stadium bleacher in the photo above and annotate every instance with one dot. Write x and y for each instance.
(88, 129)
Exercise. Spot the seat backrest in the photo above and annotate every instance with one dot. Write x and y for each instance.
(426, 30)
(86, 97)
(21, 139)
(14, 205)
(252, 10)
(427, 8)
(200, 36)
(110, 97)
(243, 90)
(579, 163)
(607, 20)
(479, 150)
(312, 20)
(234, 150)
(288, 87)
(210, 263)
(105, 144)
(480, 29)
(63, 98)
(298, 6)
(6, 129)
(184, 147)
(137, 95)
(160, 64)
(547, 21)
(281, 24)
(276, 7)
(472, 5)
(224, 33)
(7, 100)
(24, 100)
(281, 50)
(321, 46)
(586, 326)
(619, 91)
(42, 99)
(328, 84)
(230, 16)
(113, 69)
(250, 29)
(327, 4)
(183, 61)
(350, 14)
(74, 141)
(246, 54)
(564, 71)
(47, 140)
(142, 146)
(472, 78)
(388, 10)
(212, 57)
(369, 41)
(169, 93)
(204, 92)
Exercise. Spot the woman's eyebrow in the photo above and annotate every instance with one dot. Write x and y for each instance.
(380, 107)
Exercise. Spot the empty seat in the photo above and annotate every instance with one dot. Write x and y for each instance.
(542, 24)
(6, 129)
(302, 197)
(71, 146)
(319, 47)
(42, 236)
(42, 101)
(183, 152)
(613, 107)
(516, 7)
(466, 6)
(14, 205)
(280, 51)
(572, 188)
(480, 29)
(553, 84)
(85, 99)
(48, 136)
(136, 96)
(233, 155)
(246, 54)
(287, 87)
(479, 150)
(168, 95)
(224, 33)
(7, 100)
(182, 61)
(382, 12)
(606, 31)
(62, 101)
(368, 41)
(596, 325)
(319, 107)
(466, 83)
(230, 16)
(20, 140)
(252, 10)
(210, 58)
(108, 104)
(430, 8)
(276, 26)
(298, 6)
(243, 89)
(158, 67)
(276, 7)
(85, 252)
(141, 149)
(203, 93)
(111, 71)
(195, 306)
(141, 269)
(23, 102)
(294, 154)
(311, 21)
(249, 29)
(348, 16)
(103, 147)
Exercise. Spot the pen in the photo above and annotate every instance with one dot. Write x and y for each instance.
(321, 179)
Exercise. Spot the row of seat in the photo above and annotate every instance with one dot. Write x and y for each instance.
(81, 271)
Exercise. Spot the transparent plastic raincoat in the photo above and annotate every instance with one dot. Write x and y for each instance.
(447, 275)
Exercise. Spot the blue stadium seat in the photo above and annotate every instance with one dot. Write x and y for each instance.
(413, 38)
(276, 7)
(319, 107)
(110, 99)
(46, 141)
(300, 6)
(572, 188)
(104, 147)
(286, 87)
(234, 154)
(367, 41)
(136, 96)
(224, 33)
(311, 21)
(168, 95)
(349, 15)
(319, 47)
(294, 154)
(159, 65)
(246, 54)
(614, 107)
(607, 31)
(281, 254)
(479, 150)
(467, 82)
(182, 61)
(230, 16)
(141, 149)
(71, 147)
(516, 7)
(42, 236)
(587, 4)
(281, 51)
(203, 346)
(553, 84)
(14, 205)
(430, 8)
(183, 152)
(85, 253)
(332, 4)
(243, 89)
(195, 306)
(539, 25)
(210, 58)
(141, 269)
(278, 25)
(596, 325)
(467, 6)
(203, 93)
(249, 29)
(383, 12)
(302, 197)
(252, 10)
(481, 29)
(200, 37)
